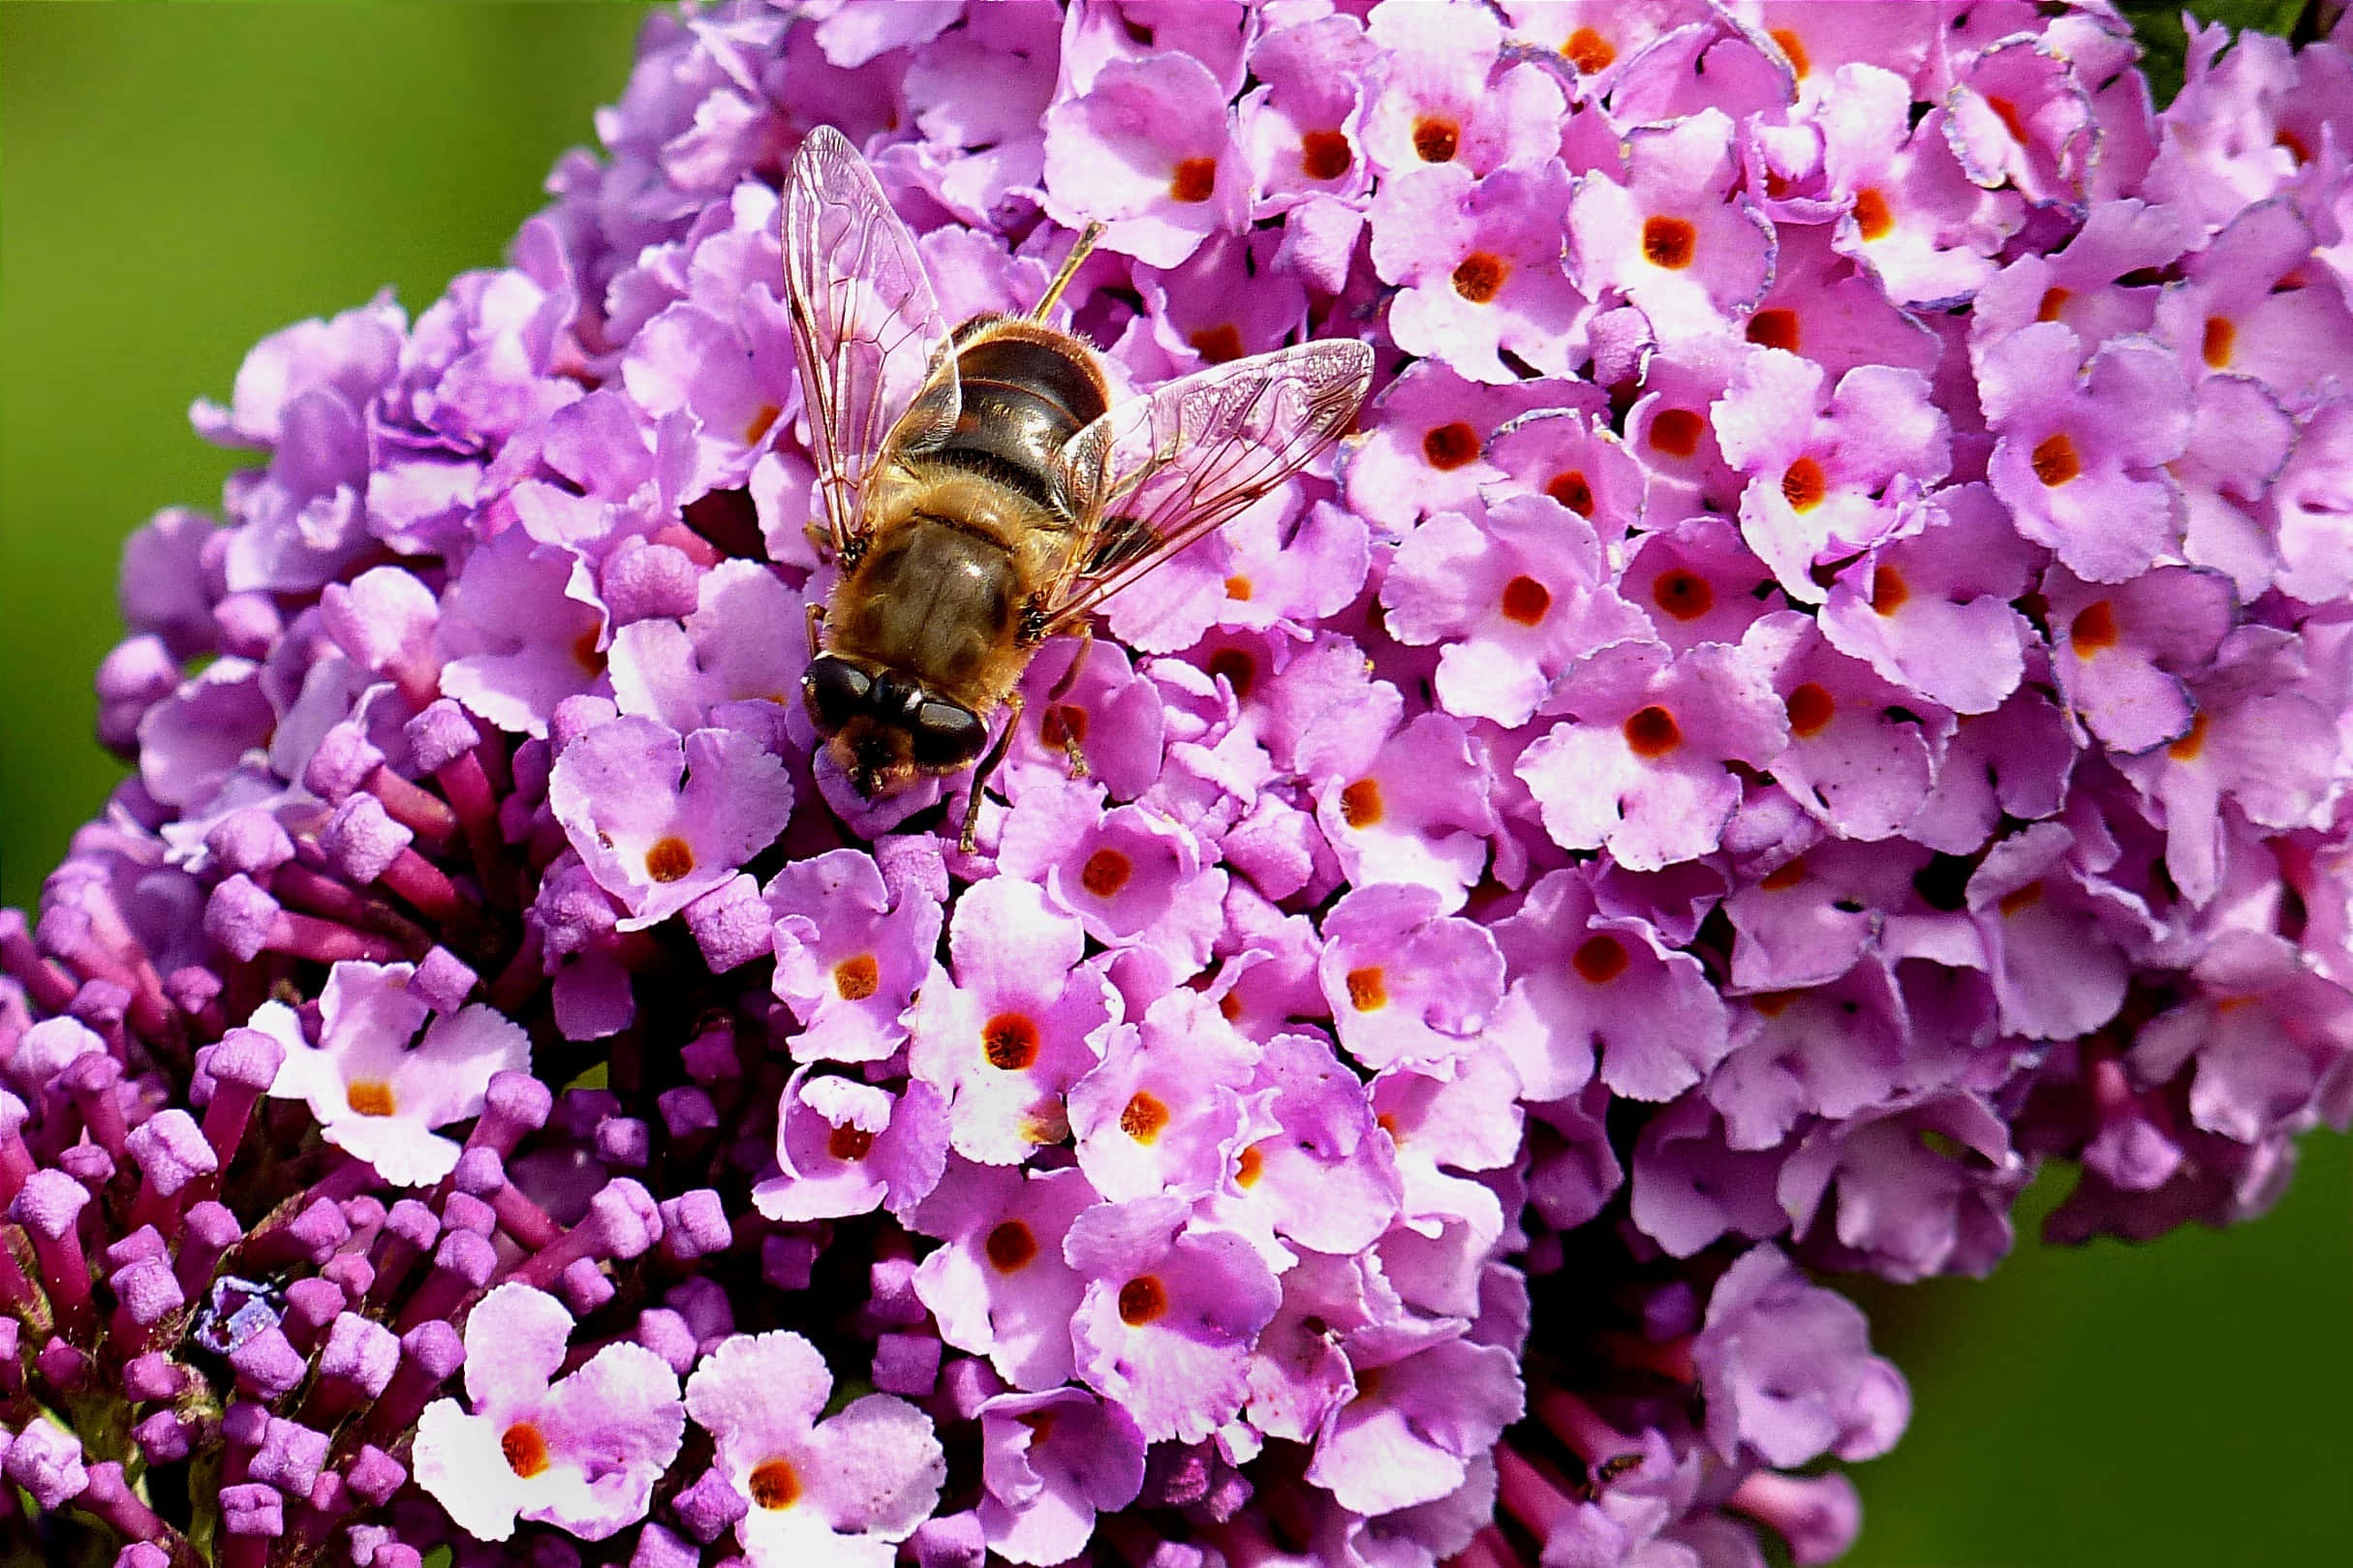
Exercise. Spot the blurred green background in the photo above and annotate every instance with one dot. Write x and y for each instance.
(175, 181)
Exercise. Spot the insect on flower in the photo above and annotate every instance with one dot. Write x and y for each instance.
(981, 493)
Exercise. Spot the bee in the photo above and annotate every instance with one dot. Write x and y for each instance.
(981, 492)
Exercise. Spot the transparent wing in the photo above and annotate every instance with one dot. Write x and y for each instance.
(866, 327)
(1154, 474)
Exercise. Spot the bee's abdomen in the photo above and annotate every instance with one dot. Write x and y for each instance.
(1024, 396)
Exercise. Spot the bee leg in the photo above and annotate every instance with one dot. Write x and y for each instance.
(1078, 662)
(816, 614)
(988, 765)
(1062, 689)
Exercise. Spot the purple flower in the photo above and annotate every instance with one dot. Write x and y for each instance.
(372, 1092)
(1407, 983)
(509, 664)
(1131, 877)
(581, 1451)
(1162, 1112)
(1642, 768)
(847, 1486)
(658, 820)
(1051, 1462)
(1820, 490)
(999, 1288)
(2081, 446)
(1588, 989)
(848, 956)
(1019, 1023)
(1399, 805)
(1666, 237)
(724, 649)
(1420, 1414)
(1788, 1368)
(1818, 686)
(1916, 1189)
(1514, 599)
(1149, 150)
(1478, 266)
(848, 1148)
(1168, 1316)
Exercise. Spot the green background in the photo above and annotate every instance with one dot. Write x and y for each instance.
(178, 181)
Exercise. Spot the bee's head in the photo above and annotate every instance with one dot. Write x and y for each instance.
(885, 729)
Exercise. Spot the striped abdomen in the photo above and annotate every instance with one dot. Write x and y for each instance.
(1027, 390)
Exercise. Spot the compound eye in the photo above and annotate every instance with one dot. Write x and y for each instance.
(835, 690)
(947, 735)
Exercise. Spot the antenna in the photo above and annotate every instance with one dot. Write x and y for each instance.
(1069, 265)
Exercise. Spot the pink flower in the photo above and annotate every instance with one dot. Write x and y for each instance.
(378, 1091)
(580, 1451)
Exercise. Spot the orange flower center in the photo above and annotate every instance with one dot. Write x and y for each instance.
(1588, 50)
(1143, 1116)
(1573, 491)
(1360, 804)
(2007, 113)
(524, 1449)
(1683, 594)
(1675, 432)
(1324, 155)
(848, 1143)
(1803, 484)
(1652, 732)
(1775, 328)
(2093, 628)
(1193, 180)
(2055, 460)
(1888, 590)
(1218, 345)
(1011, 1041)
(1105, 873)
(1450, 445)
(1600, 959)
(1809, 710)
(1524, 601)
(1669, 242)
(1141, 1300)
(1011, 1246)
(1436, 140)
(2222, 336)
(1873, 218)
(774, 1484)
(1795, 50)
(1479, 276)
(369, 1097)
(857, 978)
(670, 859)
(1367, 989)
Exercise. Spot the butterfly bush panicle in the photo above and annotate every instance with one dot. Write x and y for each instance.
(1817, 684)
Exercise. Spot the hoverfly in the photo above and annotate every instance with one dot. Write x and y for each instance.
(980, 494)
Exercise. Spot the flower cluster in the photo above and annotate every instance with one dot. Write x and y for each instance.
(1819, 682)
